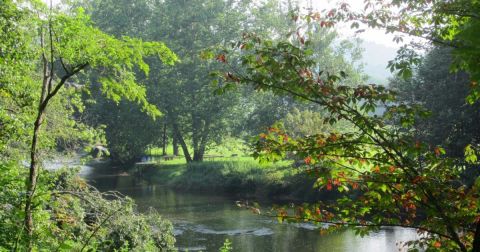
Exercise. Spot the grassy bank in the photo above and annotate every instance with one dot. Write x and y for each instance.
(240, 176)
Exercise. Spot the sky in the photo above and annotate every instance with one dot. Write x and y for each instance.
(372, 35)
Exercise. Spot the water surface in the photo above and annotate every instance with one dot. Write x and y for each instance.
(203, 221)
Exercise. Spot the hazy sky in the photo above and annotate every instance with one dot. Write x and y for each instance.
(372, 35)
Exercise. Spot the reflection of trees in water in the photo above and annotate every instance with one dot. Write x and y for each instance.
(218, 213)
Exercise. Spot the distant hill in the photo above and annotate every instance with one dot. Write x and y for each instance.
(375, 58)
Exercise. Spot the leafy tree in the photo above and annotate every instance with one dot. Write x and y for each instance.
(128, 131)
(303, 123)
(65, 45)
(276, 19)
(183, 92)
(390, 177)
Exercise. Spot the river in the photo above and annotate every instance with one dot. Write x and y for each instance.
(203, 221)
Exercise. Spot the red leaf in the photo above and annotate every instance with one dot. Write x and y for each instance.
(355, 186)
(221, 58)
(391, 168)
(417, 144)
(329, 187)
(336, 182)
(308, 160)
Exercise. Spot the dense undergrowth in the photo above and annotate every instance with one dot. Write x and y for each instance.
(73, 216)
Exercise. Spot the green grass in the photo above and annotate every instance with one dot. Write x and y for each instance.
(235, 172)
(228, 148)
(238, 175)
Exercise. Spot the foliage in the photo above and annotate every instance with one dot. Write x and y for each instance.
(453, 24)
(390, 178)
(307, 122)
(275, 20)
(453, 123)
(120, 121)
(227, 246)
(182, 92)
(75, 216)
(16, 56)
(55, 47)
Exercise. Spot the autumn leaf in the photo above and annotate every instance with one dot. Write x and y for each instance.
(391, 168)
(221, 58)
(308, 160)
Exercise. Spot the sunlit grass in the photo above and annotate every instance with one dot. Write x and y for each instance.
(230, 147)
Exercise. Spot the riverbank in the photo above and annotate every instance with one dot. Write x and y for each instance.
(238, 176)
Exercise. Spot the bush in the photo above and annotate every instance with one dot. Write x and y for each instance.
(71, 215)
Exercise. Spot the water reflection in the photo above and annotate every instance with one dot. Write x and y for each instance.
(203, 221)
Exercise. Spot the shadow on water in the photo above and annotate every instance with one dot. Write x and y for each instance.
(203, 221)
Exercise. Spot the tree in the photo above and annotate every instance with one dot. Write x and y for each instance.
(390, 178)
(66, 45)
(183, 93)
(276, 19)
(453, 123)
(453, 24)
(128, 131)
(193, 112)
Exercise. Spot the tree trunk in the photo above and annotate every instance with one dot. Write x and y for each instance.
(48, 92)
(175, 145)
(196, 129)
(179, 137)
(32, 178)
(164, 143)
(198, 155)
(31, 182)
(199, 150)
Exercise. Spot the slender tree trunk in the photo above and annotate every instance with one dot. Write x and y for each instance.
(48, 92)
(179, 137)
(32, 178)
(196, 129)
(175, 145)
(164, 148)
(31, 182)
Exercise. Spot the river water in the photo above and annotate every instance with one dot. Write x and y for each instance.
(203, 221)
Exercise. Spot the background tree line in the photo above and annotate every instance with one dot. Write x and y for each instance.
(194, 117)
